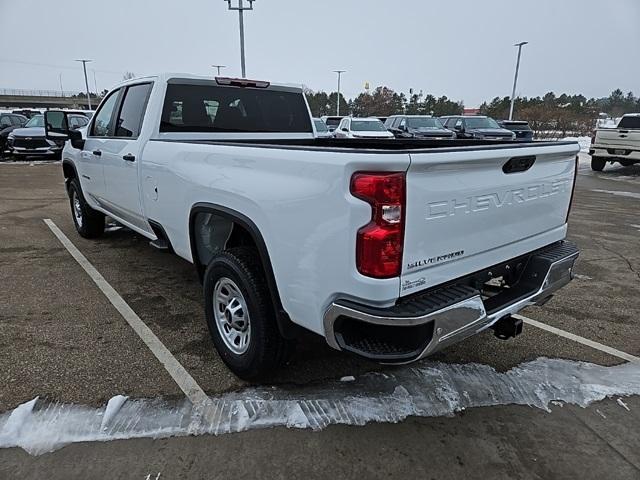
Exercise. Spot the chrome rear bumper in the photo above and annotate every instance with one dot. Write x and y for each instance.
(444, 316)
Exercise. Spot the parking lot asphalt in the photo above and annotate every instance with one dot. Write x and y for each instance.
(61, 340)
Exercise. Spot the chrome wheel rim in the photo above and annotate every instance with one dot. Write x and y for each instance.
(231, 315)
(77, 209)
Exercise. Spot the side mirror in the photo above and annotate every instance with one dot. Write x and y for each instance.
(344, 129)
(75, 137)
(56, 127)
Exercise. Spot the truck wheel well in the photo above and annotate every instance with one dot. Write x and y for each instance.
(214, 229)
(212, 234)
(69, 172)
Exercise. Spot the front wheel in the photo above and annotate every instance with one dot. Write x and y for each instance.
(597, 164)
(89, 222)
(240, 314)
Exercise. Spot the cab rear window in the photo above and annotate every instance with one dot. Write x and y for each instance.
(630, 122)
(213, 108)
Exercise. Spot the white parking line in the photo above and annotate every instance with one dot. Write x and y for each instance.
(584, 341)
(185, 381)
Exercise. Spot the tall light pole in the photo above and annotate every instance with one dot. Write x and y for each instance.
(339, 72)
(95, 83)
(219, 67)
(241, 8)
(515, 79)
(86, 82)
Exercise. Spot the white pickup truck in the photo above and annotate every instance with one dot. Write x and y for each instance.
(389, 249)
(620, 144)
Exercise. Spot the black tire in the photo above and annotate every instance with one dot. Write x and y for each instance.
(597, 164)
(90, 223)
(266, 349)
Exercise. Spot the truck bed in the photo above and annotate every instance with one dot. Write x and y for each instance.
(367, 145)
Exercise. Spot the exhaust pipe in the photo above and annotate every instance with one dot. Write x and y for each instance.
(507, 327)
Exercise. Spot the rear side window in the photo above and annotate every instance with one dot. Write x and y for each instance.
(629, 122)
(132, 110)
(5, 121)
(333, 121)
(212, 108)
(320, 126)
(103, 124)
(18, 120)
(517, 127)
(77, 121)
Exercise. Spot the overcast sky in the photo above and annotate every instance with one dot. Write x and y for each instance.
(461, 48)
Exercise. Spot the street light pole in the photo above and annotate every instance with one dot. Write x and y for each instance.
(86, 81)
(241, 8)
(515, 79)
(339, 72)
(95, 83)
(219, 67)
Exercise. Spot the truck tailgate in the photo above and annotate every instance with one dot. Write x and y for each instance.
(464, 213)
(613, 137)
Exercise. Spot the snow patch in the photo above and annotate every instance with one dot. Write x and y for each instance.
(584, 142)
(577, 276)
(623, 405)
(619, 193)
(426, 390)
(113, 407)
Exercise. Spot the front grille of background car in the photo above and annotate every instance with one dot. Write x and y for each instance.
(36, 142)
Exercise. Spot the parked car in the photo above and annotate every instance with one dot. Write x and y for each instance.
(8, 123)
(30, 140)
(321, 130)
(520, 128)
(384, 248)
(86, 113)
(620, 144)
(418, 126)
(26, 112)
(478, 127)
(331, 122)
(362, 128)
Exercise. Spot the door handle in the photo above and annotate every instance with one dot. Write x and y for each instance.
(129, 158)
(97, 153)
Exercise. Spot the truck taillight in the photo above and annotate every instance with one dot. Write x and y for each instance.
(379, 243)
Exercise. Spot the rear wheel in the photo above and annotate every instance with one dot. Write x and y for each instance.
(240, 314)
(598, 163)
(89, 222)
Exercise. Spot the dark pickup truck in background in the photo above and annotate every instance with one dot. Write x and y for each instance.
(520, 127)
(478, 127)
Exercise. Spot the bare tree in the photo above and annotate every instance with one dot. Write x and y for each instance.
(128, 75)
